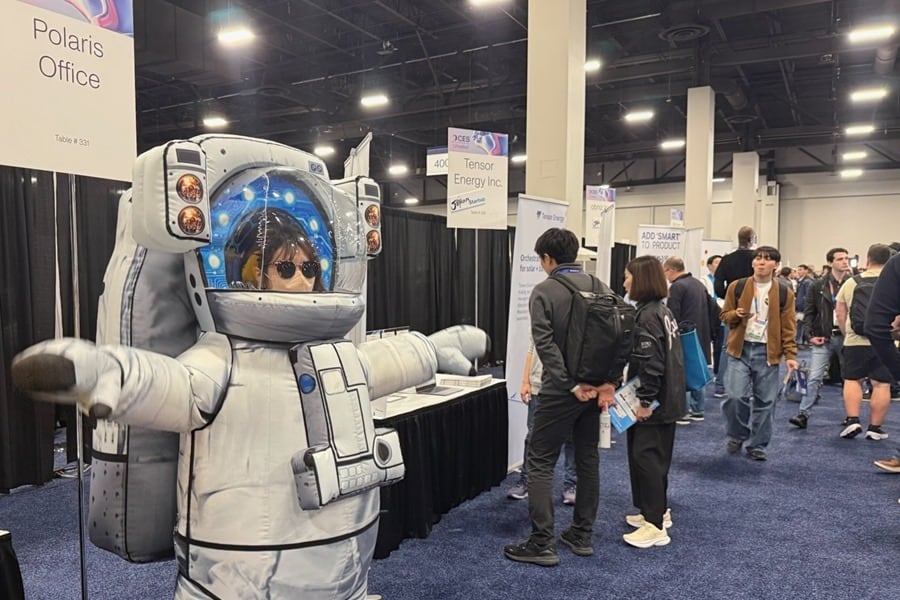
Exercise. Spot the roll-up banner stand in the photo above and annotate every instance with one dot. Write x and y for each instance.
(533, 217)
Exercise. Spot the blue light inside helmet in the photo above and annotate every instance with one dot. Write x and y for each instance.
(249, 194)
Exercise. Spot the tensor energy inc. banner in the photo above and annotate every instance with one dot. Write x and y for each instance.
(68, 102)
(476, 179)
(534, 217)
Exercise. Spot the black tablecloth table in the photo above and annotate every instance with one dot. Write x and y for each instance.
(453, 451)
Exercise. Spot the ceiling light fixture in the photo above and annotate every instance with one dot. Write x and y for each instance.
(485, 2)
(592, 65)
(373, 100)
(215, 121)
(236, 36)
(639, 116)
(398, 169)
(718, 180)
(851, 173)
(872, 34)
(323, 151)
(869, 94)
(518, 158)
(411, 200)
(604, 186)
(859, 129)
(848, 156)
(672, 144)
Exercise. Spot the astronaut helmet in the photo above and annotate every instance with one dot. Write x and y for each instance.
(292, 239)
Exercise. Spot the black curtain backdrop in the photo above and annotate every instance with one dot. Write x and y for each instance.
(29, 236)
(425, 277)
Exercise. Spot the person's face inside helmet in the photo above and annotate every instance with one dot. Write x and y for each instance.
(291, 268)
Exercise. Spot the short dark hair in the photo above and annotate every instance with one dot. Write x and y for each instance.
(878, 254)
(804, 266)
(770, 252)
(712, 259)
(786, 271)
(559, 244)
(745, 236)
(829, 256)
(648, 282)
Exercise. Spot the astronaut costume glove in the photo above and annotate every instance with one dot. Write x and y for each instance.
(70, 371)
(457, 347)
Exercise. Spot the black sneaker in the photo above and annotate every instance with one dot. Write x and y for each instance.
(851, 427)
(528, 552)
(799, 421)
(733, 446)
(577, 544)
(875, 432)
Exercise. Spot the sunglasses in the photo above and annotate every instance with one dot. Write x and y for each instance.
(286, 269)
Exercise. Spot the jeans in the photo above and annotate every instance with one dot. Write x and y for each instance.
(696, 401)
(821, 356)
(555, 419)
(752, 387)
(570, 478)
(721, 355)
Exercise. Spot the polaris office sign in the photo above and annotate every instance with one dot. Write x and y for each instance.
(436, 161)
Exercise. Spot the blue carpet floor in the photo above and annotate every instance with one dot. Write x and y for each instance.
(817, 520)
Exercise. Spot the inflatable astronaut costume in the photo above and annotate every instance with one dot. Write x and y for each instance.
(279, 462)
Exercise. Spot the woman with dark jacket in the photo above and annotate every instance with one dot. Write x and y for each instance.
(656, 358)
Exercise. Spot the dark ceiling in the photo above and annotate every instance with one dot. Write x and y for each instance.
(782, 70)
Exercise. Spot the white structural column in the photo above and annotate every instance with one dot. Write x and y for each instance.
(745, 190)
(555, 117)
(701, 122)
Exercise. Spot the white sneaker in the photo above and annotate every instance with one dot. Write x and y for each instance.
(647, 536)
(638, 520)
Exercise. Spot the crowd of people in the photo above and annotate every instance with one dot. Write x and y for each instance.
(750, 314)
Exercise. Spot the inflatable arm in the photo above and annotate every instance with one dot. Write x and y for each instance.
(132, 386)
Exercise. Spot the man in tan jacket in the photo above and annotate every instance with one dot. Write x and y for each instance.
(759, 314)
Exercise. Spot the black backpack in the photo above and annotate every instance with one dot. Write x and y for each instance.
(862, 293)
(599, 334)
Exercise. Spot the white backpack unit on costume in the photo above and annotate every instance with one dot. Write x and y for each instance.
(144, 304)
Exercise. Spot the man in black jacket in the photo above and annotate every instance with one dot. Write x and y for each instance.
(737, 264)
(820, 328)
(805, 281)
(882, 328)
(567, 409)
(690, 303)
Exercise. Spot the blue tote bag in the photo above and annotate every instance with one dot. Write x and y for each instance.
(696, 371)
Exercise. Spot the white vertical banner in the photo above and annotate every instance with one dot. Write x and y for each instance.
(693, 250)
(358, 161)
(477, 177)
(600, 219)
(534, 217)
(355, 165)
(661, 241)
(69, 71)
